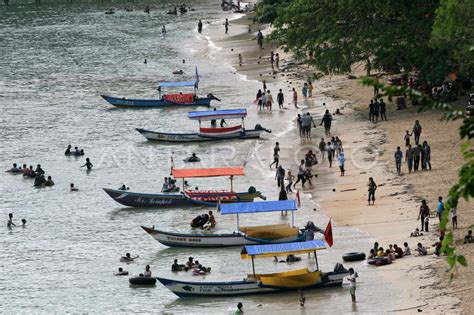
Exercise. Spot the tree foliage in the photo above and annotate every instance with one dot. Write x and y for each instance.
(392, 34)
(453, 30)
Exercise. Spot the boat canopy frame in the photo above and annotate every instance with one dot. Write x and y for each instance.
(259, 206)
(273, 250)
(194, 83)
(208, 172)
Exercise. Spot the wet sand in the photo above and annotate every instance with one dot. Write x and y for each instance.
(369, 151)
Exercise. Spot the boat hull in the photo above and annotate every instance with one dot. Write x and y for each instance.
(134, 199)
(197, 137)
(231, 288)
(143, 103)
(211, 240)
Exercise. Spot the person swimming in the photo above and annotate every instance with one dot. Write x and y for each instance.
(23, 222)
(192, 158)
(88, 164)
(178, 72)
(72, 188)
(177, 267)
(128, 258)
(49, 182)
(121, 272)
(68, 150)
(14, 169)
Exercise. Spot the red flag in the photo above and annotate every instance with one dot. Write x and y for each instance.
(328, 234)
(298, 199)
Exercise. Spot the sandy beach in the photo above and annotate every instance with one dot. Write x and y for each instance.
(420, 281)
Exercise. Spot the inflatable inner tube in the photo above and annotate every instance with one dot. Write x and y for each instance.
(199, 221)
(142, 280)
(380, 261)
(355, 256)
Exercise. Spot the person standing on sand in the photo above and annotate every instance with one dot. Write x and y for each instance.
(327, 121)
(260, 39)
(352, 284)
(427, 155)
(226, 25)
(371, 190)
(276, 155)
(417, 155)
(277, 60)
(272, 58)
(417, 131)
(258, 98)
(407, 138)
(304, 90)
(424, 213)
(289, 177)
(376, 110)
(280, 99)
(440, 208)
(454, 217)
(330, 148)
(371, 110)
(301, 175)
(269, 100)
(280, 177)
(200, 27)
(409, 154)
(398, 160)
(322, 148)
(264, 85)
(383, 110)
(295, 98)
(342, 160)
(310, 89)
(240, 60)
(299, 120)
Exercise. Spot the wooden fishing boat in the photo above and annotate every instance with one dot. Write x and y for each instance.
(266, 234)
(188, 197)
(166, 100)
(265, 283)
(210, 134)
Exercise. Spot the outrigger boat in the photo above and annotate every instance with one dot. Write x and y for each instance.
(276, 233)
(189, 197)
(210, 134)
(265, 283)
(166, 100)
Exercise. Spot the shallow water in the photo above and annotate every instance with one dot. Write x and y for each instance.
(56, 61)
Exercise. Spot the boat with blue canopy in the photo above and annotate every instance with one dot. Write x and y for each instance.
(265, 234)
(212, 133)
(255, 283)
(166, 100)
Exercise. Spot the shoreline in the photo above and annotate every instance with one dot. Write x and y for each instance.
(387, 225)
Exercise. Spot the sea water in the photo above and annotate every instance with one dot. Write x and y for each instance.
(56, 59)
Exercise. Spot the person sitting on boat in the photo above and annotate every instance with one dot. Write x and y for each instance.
(14, 169)
(68, 150)
(177, 267)
(165, 186)
(292, 258)
(123, 187)
(49, 182)
(121, 272)
(147, 273)
(128, 258)
(223, 122)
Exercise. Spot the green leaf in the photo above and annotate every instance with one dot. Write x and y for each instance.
(462, 260)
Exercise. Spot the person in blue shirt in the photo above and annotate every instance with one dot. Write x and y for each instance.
(398, 160)
(440, 208)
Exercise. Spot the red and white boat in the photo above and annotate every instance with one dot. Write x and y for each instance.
(210, 133)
